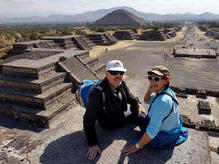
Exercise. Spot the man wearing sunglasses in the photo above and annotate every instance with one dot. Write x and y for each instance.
(110, 111)
(162, 127)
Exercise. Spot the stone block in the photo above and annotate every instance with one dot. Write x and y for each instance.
(187, 121)
(203, 107)
(209, 124)
(212, 93)
(191, 91)
(183, 95)
(201, 94)
(19, 142)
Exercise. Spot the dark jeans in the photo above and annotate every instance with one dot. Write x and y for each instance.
(110, 123)
(143, 122)
(163, 140)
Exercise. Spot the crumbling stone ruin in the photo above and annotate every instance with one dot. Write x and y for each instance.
(195, 91)
(154, 35)
(210, 32)
(207, 125)
(201, 53)
(41, 86)
(170, 32)
(159, 35)
(201, 94)
(203, 107)
(102, 38)
(124, 35)
(53, 43)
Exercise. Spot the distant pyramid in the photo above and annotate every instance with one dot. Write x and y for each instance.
(119, 18)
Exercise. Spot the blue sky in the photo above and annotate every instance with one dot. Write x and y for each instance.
(46, 7)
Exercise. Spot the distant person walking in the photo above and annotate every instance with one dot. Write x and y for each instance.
(162, 127)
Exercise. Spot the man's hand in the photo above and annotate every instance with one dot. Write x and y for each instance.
(130, 149)
(93, 151)
(141, 110)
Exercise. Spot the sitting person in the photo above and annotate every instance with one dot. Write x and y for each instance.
(111, 112)
(162, 127)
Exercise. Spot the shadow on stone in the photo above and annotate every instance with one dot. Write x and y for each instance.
(72, 148)
(18, 124)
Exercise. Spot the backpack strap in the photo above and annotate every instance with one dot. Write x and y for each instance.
(172, 104)
(100, 88)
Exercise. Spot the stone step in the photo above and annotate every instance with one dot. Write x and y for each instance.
(77, 70)
(80, 43)
(36, 116)
(89, 42)
(32, 85)
(91, 62)
(99, 68)
(40, 101)
(27, 68)
(83, 55)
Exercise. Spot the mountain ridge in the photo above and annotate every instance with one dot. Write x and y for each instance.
(92, 16)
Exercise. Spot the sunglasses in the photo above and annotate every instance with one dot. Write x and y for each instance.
(155, 78)
(116, 72)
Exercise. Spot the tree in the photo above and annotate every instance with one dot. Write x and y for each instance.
(100, 29)
(34, 36)
(79, 32)
(66, 31)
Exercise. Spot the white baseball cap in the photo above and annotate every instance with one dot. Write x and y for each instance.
(115, 65)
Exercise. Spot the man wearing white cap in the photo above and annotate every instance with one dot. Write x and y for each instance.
(110, 110)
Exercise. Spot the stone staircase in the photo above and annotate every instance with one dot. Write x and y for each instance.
(101, 38)
(124, 35)
(92, 63)
(82, 42)
(39, 90)
(52, 43)
(110, 38)
(151, 36)
(23, 47)
(47, 44)
(64, 42)
(34, 90)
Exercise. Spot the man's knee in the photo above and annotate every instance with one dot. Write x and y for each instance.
(143, 123)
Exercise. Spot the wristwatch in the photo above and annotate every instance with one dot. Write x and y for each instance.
(137, 146)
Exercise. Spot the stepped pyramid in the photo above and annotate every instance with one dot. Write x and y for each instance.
(39, 87)
(53, 43)
(120, 18)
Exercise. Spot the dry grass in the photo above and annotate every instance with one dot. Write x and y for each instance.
(87, 31)
(99, 50)
(3, 52)
(142, 30)
(216, 150)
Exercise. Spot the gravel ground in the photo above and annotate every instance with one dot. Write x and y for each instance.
(66, 144)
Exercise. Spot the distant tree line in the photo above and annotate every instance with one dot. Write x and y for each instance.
(26, 32)
(154, 26)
